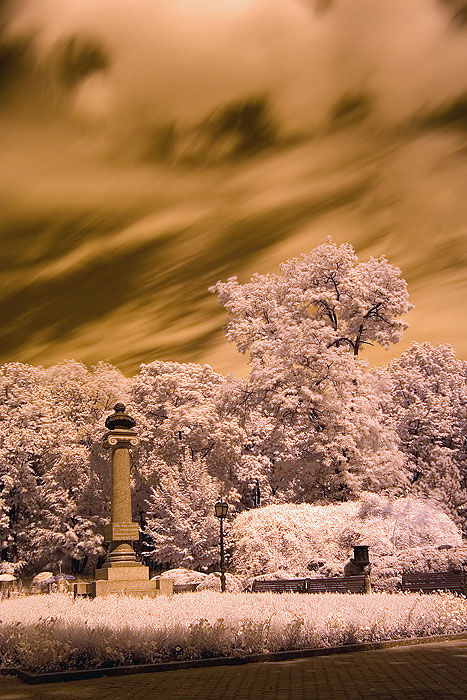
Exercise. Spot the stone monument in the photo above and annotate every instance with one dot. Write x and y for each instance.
(121, 573)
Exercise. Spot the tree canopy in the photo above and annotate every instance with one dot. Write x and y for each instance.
(312, 422)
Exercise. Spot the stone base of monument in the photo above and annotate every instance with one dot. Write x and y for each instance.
(132, 580)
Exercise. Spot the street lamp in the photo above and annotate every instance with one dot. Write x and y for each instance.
(221, 509)
(256, 495)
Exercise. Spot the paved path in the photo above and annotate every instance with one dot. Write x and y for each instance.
(436, 671)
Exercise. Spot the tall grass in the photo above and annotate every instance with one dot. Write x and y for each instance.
(51, 633)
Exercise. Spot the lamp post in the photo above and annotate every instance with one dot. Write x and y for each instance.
(256, 495)
(221, 508)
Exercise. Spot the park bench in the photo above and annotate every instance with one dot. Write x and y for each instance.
(346, 584)
(343, 584)
(428, 582)
(296, 585)
(185, 587)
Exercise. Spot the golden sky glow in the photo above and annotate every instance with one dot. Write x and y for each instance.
(152, 148)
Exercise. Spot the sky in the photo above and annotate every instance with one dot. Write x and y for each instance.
(152, 148)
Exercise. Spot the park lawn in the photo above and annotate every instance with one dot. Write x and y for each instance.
(54, 632)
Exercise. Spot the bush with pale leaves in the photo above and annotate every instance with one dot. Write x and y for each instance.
(316, 540)
(182, 577)
(213, 583)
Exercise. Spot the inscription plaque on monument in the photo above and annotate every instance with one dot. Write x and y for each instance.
(121, 532)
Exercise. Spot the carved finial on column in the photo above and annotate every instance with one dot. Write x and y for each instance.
(119, 419)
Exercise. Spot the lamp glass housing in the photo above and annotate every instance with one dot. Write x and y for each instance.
(221, 509)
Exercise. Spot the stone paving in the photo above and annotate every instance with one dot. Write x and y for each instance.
(430, 671)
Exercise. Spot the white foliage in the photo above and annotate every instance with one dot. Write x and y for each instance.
(322, 299)
(51, 491)
(212, 582)
(54, 632)
(428, 410)
(181, 527)
(319, 405)
(192, 453)
(181, 412)
(297, 538)
(184, 576)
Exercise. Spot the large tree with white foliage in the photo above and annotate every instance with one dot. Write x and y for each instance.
(322, 300)
(325, 440)
(182, 409)
(304, 329)
(429, 411)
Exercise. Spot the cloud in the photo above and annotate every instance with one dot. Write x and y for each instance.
(179, 60)
(127, 158)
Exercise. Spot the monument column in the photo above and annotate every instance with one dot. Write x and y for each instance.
(121, 532)
(121, 573)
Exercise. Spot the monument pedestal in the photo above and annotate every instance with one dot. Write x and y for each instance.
(122, 574)
(128, 580)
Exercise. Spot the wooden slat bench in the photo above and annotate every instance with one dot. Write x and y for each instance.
(427, 582)
(185, 587)
(297, 585)
(347, 584)
(344, 584)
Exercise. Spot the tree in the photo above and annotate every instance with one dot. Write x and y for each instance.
(55, 474)
(428, 410)
(324, 438)
(320, 404)
(54, 493)
(182, 409)
(181, 528)
(191, 453)
(323, 299)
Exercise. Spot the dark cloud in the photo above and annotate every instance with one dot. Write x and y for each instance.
(458, 11)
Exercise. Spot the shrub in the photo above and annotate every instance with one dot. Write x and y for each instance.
(404, 534)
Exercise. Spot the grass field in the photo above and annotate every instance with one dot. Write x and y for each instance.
(54, 632)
